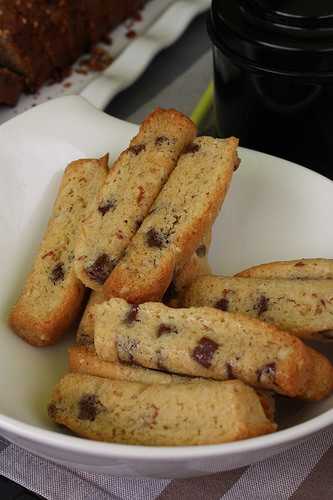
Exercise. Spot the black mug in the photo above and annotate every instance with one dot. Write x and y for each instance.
(273, 67)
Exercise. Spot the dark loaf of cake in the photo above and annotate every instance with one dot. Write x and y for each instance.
(39, 39)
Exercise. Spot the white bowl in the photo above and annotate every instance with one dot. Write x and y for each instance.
(275, 210)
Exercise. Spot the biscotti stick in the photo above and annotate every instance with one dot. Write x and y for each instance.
(302, 307)
(52, 295)
(292, 269)
(85, 331)
(206, 412)
(131, 187)
(202, 342)
(186, 206)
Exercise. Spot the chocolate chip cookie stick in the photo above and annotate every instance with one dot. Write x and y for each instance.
(205, 412)
(309, 269)
(202, 342)
(52, 295)
(130, 189)
(302, 307)
(187, 205)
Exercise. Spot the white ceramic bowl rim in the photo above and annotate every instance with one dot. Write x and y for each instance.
(72, 443)
(29, 433)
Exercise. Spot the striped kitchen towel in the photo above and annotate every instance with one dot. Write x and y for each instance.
(301, 473)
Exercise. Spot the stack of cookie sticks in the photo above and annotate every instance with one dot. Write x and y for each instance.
(167, 354)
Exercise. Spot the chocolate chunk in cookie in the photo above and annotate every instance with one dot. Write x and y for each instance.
(262, 305)
(162, 139)
(100, 270)
(107, 205)
(57, 273)
(191, 148)
(156, 238)
(89, 407)
(204, 352)
(132, 314)
(222, 304)
(164, 329)
(137, 149)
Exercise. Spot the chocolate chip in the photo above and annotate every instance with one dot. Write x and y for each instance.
(156, 239)
(262, 305)
(191, 148)
(100, 270)
(201, 251)
(222, 304)
(137, 148)
(204, 352)
(106, 206)
(52, 410)
(230, 371)
(132, 314)
(164, 329)
(89, 407)
(266, 374)
(161, 140)
(299, 264)
(57, 273)
(137, 224)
